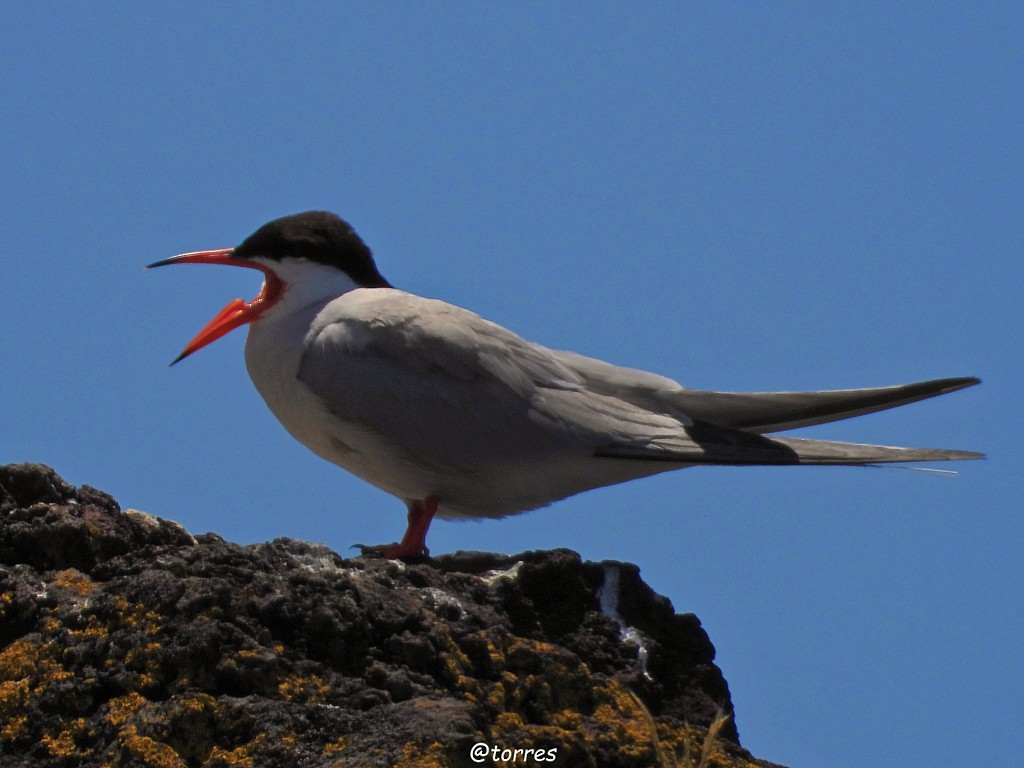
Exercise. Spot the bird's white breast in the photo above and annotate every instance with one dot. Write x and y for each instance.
(273, 356)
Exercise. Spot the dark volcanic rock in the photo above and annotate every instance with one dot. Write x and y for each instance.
(128, 642)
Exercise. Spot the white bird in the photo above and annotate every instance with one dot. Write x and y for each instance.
(460, 417)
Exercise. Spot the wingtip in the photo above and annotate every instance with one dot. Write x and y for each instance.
(961, 382)
(971, 456)
(937, 387)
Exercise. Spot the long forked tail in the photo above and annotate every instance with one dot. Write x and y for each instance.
(804, 451)
(708, 444)
(730, 427)
(763, 412)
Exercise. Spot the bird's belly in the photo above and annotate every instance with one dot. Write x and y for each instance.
(504, 490)
(470, 486)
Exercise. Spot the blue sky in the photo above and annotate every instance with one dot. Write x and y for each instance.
(741, 196)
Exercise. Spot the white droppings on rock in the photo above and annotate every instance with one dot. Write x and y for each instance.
(438, 599)
(509, 574)
(608, 595)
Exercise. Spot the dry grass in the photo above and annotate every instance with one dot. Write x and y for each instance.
(666, 758)
(721, 718)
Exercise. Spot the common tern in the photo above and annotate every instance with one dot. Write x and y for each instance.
(462, 418)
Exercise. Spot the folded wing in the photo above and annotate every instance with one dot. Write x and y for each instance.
(424, 364)
(778, 411)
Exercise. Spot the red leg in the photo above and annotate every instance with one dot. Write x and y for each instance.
(414, 543)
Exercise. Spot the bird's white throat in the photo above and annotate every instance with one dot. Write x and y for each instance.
(305, 283)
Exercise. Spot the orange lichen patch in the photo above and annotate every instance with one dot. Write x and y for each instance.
(496, 696)
(526, 652)
(137, 617)
(13, 727)
(145, 662)
(541, 659)
(528, 692)
(334, 747)
(508, 721)
(494, 644)
(458, 671)
(623, 720)
(511, 729)
(433, 755)
(237, 756)
(27, 668)
(93, 630)
(619, 722)
(143, 654)
(195, 725)
(74, 581)
(310, 689)
(123, 707)
(469, 688)
(495, 655)
(199, 703)
(63, 743)
(149, 751)
(243, 755)
(567, 719)
(19, 660)
(456, 662)
(6, 601)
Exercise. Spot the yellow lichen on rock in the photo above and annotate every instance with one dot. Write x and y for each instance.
(73, 580)
(336, 746)
(27, 668)
(621, 719)
(433, 755)
(63, 743)
(19, 659)
(150, 752)
(309, 689)
(241, 756)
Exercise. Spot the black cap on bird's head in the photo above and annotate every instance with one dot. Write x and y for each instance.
(315, 236)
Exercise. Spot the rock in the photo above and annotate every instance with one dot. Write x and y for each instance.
(126, 641)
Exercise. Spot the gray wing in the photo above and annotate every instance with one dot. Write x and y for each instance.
(417, 370)
(727, 427)
(434, 356)
(779, 411)
(426, 336)
(751, 411)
